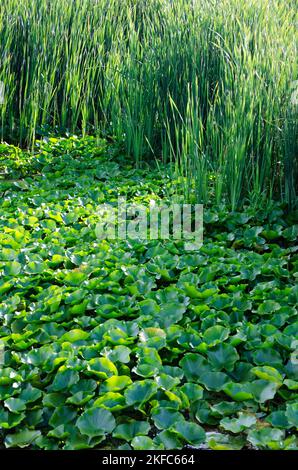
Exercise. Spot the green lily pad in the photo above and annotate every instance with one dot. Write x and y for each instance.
(102, 368)
(238, 392)
(278, 419)
(263, 390)
(140, 392)
(96, 422)
(189, 432)
(268, 373)
(131, 429)
(218, 441)
(194, 365)
(292, 414)
(223, 356)
(22, 438)
(10, 420)
(145, 443)
(168, 439)
(165, 418)
(62, 415)
(214, 381)
(79, 398)
(236, 425)
(64, 379)
(75, 335)
(215, 335)
(115, 383)
(75, 278)
(111, 401)
(15, 405)
(266, 438)
(193, 391)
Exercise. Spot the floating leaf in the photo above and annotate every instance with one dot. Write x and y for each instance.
(223, 356)
(236, 425)
(266, 437)
(115, 383)
(238, 392)
(214, 380)
(215, 335)
(217, 441)
(102, 368)
(292, 414)
(15, 405)
(111, 401)
(268, 373)
(131, 429)
(168, 439)
(189, 432)
(64, 379)
(145, 443)
(22, 438)
(75, 335)
(96, 422)
(194, 365)
(262, 390)
(193, 391)
(164, 418)
(140, 392)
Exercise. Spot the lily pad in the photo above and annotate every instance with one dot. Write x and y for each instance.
(96, 422)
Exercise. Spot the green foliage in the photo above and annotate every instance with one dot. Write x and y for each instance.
(96, 422)
(101, 350)
(206, 85)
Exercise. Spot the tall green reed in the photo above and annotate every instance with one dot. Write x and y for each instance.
(204, 84)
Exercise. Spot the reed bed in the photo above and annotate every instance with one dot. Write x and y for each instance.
(204, 84)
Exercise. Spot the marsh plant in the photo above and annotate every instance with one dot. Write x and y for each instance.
(205, 84)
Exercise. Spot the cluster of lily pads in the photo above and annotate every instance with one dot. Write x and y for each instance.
(133, 344)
